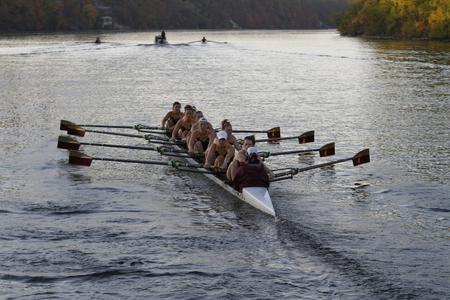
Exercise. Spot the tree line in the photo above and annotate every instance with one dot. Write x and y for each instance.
(397, 18)
(50, 15)
(54, 15)
(223, 14)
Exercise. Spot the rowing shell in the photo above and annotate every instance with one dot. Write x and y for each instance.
(257, 197)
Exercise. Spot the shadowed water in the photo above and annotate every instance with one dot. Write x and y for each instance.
(138, 231)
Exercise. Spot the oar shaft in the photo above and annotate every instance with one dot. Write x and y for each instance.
(276, 139)
(105, 126)
(153, 131)
(119, 146)
(115, 133)
(330, 163)
(293, 152)
(249, 131)
(147, 162)
(295, 171)
(175, 164)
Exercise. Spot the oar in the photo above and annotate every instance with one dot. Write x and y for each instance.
(79, 131)
(272, 133)
(82, 159)
(307, 137)
(70, 143)
(160, 131)
(358, 159)
(64, 124)
(325, 150)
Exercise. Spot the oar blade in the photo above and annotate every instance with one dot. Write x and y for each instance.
(307, 137)
(67, 142)
(274, 133)
(79, 158)
(76, 130)
(327, 150)
(361, 157)
(64, 124)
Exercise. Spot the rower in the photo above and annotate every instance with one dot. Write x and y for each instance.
(98, 41)
(163, 35)
(249, 141)
(220, 153)
(203, 40)
(201, 137)
(226, 126)
(183, 126)
(172, 117)
(250, 173)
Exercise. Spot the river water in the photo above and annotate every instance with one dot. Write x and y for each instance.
(127, 231)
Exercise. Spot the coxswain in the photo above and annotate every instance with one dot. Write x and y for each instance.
(250, 173)
(183, 126)
(220, 153)
(201, 137)
(226, 126)
(203, 40)
(172, 117)
(249, 141)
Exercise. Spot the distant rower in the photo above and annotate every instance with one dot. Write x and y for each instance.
(203, 40)
(97, 40)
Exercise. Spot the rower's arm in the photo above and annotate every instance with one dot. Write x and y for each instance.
(191, 142)
(164, 120)
(269, 171)
(176, 128)
(236, 144)
(229, 156)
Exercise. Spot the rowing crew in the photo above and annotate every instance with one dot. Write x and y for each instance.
(221, 151)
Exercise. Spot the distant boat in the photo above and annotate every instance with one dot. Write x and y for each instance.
(159, 40)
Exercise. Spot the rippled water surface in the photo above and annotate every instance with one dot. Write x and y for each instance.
(127, 231)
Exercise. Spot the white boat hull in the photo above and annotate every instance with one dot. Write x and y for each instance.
(259, 198)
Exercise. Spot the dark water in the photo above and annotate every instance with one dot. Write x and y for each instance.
(115, 231)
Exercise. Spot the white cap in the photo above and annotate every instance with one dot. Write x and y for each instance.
(222, 135)
(252, 150)
(203, 120)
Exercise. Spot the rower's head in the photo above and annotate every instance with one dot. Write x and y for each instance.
(203, 123)
(176, 106)
(188, 111)
(249, 141)
(252, 153)
(226, 125)
(222, 136)
(198, 115)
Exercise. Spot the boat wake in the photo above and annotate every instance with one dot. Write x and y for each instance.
(360, 273)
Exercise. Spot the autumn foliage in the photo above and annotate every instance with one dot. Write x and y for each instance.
(397, 18)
